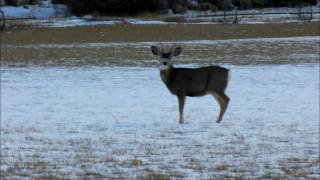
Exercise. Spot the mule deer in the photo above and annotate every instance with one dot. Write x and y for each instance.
(193, 82)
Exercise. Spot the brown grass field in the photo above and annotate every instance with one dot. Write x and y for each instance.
(138, 33)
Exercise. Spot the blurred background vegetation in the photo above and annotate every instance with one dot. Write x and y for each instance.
(134, 7)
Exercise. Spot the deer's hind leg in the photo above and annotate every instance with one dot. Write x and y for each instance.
(223, 101)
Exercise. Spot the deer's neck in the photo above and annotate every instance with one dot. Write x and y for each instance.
(166, 75)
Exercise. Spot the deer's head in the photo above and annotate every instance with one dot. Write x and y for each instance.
(165, 56)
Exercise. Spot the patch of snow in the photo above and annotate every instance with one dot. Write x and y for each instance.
(101, 118)
(84, 22)
(140, 21)
(78, 22)
(44, 11)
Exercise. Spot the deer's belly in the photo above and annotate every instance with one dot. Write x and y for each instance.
(188, 88)
(197, 94)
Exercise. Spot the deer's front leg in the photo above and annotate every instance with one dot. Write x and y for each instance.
(181, 99)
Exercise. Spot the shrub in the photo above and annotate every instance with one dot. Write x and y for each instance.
(245, 4)
(205, 6)
(178, 6)
(22, 2)
(288, 3)
(59, 1)
(213, 2)
(226, 5)
(33, 2)
(132, 7)
(179, 9)
(114, 7)
(17, 2)
(257, 3)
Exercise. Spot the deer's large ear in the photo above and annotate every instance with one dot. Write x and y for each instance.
(177, 51)
(155, 50)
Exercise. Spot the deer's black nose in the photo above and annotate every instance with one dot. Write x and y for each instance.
(164, 63)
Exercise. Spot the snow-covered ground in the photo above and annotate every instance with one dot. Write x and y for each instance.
(46, 10)
(121, 122)
(104, 120)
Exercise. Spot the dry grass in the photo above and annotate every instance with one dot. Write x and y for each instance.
(137, 33)
(38, 168)
(45, 49)
(177, 19)
(222, 167)
(20, 25)
(135, 162)
(152, 175)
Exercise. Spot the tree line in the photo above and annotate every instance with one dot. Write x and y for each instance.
(134, 7)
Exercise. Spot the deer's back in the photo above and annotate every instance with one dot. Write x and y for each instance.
(198, 81)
